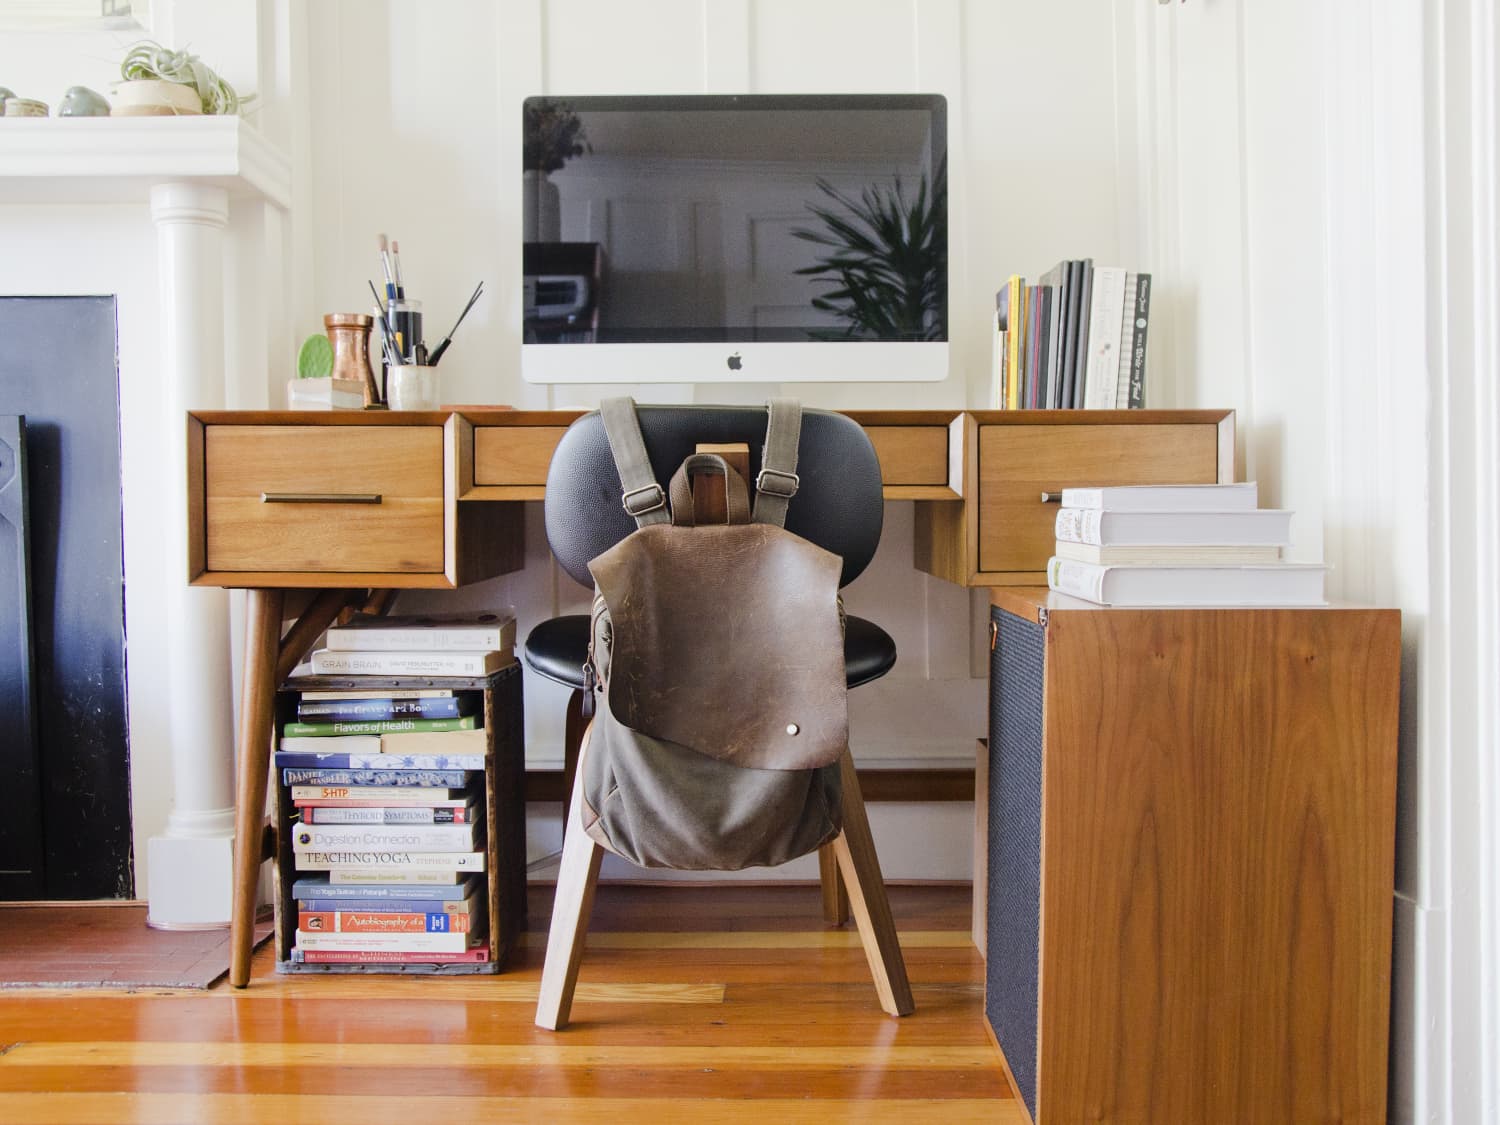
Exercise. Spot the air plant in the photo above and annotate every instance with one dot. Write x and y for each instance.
(147, 60)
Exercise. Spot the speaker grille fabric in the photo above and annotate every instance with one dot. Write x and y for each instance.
(1015, 835)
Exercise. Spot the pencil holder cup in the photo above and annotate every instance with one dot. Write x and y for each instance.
(411, 387)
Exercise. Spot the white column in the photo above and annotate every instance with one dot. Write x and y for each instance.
(189, 873)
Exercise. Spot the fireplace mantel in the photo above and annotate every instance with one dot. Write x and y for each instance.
(119, 159)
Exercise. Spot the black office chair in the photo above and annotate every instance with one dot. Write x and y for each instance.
(839, 506)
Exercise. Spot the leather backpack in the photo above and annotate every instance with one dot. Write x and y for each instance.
(716, 662)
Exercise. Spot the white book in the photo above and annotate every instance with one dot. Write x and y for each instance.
(394, 878)
(368, 693)
(336, 662)
(368, 859)
(440, 942)
(1279, 584)
(382, 837)
(1102, 364)
(1261, 527)
(486, 632)
(331, 744)
(1165, 555)
(1164, 497)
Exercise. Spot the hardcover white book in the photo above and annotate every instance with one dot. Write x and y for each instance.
(1233, 554)
(1106, 311)
(398, 837)
(1279, 584)
(486, 632)
(1259, 527)
(395, 693)
(450, 942)
(1164, 497)
(337, 662)
(369, 859)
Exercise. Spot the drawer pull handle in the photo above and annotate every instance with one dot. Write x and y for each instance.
(1052, 498)
(320, 498)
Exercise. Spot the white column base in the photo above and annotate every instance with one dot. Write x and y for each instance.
(188, 882)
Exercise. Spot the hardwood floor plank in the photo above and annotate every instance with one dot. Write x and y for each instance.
(258, 1109)
(391, 1056)
(757, 939)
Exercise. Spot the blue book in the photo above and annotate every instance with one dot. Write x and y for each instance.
(414, 896)
(359, 710)
(308, 759)
(313, 775)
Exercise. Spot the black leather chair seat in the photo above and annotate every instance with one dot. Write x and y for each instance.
(557, 649)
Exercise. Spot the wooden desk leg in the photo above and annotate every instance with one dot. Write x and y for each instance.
(258, 689)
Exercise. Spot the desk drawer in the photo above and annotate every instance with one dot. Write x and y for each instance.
(258, 516)
(1018, 463)
(514, 455)
(911, 455)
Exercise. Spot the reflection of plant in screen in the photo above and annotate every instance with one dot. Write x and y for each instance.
(889, 260)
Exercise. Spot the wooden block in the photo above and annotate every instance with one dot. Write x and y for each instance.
(708, 491)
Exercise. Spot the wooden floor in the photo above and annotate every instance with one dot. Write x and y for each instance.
(694, 1004)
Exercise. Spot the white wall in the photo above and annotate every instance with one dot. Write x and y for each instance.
(415, 131)
(1317, 195)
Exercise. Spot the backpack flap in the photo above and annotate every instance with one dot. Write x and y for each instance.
(727, 640)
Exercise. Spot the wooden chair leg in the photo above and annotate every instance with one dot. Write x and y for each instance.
(574, 726)
(855, 848)
(835, 897)
(576, 878)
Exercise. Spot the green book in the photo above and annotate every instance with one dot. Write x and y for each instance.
(381, 726)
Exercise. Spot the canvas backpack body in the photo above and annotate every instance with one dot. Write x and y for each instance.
(717, 669)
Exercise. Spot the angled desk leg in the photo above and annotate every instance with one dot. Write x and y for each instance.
(262, 646)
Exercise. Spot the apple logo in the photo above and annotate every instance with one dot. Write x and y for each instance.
(734, 362)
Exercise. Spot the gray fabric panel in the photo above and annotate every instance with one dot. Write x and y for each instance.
(1015, 835)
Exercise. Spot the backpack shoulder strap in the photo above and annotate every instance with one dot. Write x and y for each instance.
(777, 481)
(642, 497)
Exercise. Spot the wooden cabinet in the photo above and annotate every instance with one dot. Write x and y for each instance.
(504, 803)
(1001, 532)
(1191, 860)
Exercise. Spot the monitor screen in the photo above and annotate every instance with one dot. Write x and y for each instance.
(735, 238)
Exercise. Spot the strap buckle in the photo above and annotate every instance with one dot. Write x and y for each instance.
(785, 484)
(647, 498)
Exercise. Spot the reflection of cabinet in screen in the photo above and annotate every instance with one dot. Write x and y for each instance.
(1191, 860)
(563, 291)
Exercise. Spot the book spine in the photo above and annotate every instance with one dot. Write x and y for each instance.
(394, 878)
(373, 795)
(1105, 317)
(328, 662)
(475, 955)
(1013, 341)
(365, 694)
(405, 943)
(346, 921)
(388, 905)
(1127, 334)
(366, 893)
(482, 638)
(412, 838)
(1142, 317)
(336, 814)
(379, 763)
(340, 727)
(368, 710)
(326, 776)
(1078, 525)
(1078, 579)
(375, 861)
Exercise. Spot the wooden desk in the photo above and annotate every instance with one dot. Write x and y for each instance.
(355, 505)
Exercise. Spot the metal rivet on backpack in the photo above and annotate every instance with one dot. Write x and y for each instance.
(793, 728)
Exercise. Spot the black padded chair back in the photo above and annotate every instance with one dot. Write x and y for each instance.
(839, 504)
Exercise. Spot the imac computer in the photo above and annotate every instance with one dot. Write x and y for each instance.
(735, 238)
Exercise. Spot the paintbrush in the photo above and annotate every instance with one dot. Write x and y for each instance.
(396, 267)
(387, 337)
(385, 265)
(437, 352)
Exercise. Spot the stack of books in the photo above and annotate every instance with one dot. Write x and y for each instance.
(389, 842)
(1177, 545)
(1074, 339)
